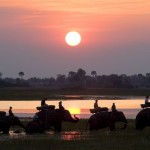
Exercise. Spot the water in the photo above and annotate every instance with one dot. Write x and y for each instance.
(129, 105)
(66, 136)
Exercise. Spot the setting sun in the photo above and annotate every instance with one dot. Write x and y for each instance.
(74, 110)
(73, 38)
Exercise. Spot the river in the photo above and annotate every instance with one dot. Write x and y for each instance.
(129, 105)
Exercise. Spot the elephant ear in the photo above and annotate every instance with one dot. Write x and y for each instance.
(114, 116)
(11, 120)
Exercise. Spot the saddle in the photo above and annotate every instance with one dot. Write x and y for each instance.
(145, 105)
(46, 107)
(99, 109)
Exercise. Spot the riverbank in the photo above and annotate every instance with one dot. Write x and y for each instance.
(37, 94)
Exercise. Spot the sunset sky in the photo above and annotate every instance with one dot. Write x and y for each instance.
(115, 37)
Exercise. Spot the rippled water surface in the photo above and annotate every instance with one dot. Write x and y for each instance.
(67, 135)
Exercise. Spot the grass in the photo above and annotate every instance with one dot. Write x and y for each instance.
(36, 94)
(75, 137)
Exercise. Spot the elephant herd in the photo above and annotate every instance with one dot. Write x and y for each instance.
(53, 119)
(43, 120)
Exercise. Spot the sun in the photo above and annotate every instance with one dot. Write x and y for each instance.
(73, 38)
(74, 110)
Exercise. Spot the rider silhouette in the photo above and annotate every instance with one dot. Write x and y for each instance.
(146, 100)
(113, 108)
(43, 101)
(60, 105)
(10, 111)
(96, 104)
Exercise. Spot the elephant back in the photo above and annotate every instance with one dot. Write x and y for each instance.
(46, 107)
(143, 114)
(3, 116)
(100, 115)
(143, 119)
(2, 113)
(45, 113)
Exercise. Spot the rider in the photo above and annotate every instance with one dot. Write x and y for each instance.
(43, 101)
(146, 100)
(96, 104)
(10, 111)
(60, 105)
(113, 107)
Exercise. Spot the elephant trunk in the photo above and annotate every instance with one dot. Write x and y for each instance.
(69, 118)
(21, 125)
(73, 120)
(76, 119)
(15, 121)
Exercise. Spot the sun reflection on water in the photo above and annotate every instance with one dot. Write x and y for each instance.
(74, 135)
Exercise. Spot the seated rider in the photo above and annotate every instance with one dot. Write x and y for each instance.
(96, 104)
(113, 108)
(60, 105)
(10, 111)
(43, 101)
(147, 100)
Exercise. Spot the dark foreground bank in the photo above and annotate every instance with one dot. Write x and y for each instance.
(75, 137)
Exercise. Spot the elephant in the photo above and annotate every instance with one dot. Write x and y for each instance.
(143, 119)
(47, 119)
(106, 119)
(7, 121)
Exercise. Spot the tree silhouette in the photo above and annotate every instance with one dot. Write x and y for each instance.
(81, 77)
(1, 75)
(93, 74)
(81, 73)
(21, 74)
(71, 74)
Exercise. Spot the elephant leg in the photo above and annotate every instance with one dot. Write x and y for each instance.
(94, 126)
(139, 126)
(58, 127)
(1, 129)
(6, 129)
(91, 127)
(112, 126)
(34, 127)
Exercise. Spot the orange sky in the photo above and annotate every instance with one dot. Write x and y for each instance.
(35, 31)
(84, 6)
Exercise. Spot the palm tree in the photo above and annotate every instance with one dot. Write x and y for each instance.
(93, 73)
(81, 73)
(71, 74)
(21, 74)
(81, 77)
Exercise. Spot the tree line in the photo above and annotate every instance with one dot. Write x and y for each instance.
(79, 79)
